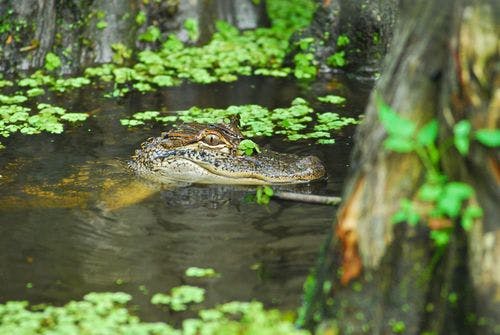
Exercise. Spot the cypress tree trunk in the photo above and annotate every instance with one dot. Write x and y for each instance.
(443, 63)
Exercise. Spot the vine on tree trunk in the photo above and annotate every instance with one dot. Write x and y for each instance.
(439, 200)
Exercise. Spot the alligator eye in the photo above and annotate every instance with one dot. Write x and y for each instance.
(211, 139)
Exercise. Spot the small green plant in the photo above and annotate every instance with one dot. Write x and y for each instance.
(180, 297)
(332, 99)
(200, 272)
(448, 200)
(101, 25)
(248, 147)
(120, 53)
(398, 327)
(191, 26)
(305, 62)
(338, 58)
(343, 40)
(140, 18)
(263, 195)
(52, 61)
(152, 34)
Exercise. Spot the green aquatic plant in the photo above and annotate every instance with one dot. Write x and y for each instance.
(200, 272)
(337, 59)
(305, 62)
(140, 18)
(191, 26)
(248, 147)
(180, 297)
(152, 34)
(332, 99)
(438, 198)
(108, 313)
(294, 122)
(263, 194)
(97, 313)
(48, 118)
(52, 61)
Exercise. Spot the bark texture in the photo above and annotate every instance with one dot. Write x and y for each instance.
(368, 25)
(443, 63)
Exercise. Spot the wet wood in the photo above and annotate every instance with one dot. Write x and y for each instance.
(308, 198)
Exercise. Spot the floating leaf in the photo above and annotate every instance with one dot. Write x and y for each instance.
(333, 99)
(200, 272)
(75, 117)
(248, 147)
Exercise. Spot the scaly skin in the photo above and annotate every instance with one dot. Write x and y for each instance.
(208, 154)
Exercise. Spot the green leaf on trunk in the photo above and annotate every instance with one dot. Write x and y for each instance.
(430, 192)
(488, 137)
(428, 133)
(393, 123)
(52, 61)
(440, 237)
(454, 193)
(470, 214)
(401, 145)
(461, 136)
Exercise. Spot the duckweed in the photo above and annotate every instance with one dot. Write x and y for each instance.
(180, 297)
(248, 147)
(297, 122)
(107, 313)
(48, 118)
(332, 99)
(200, 272)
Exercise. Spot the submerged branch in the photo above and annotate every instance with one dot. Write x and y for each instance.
(310, 198)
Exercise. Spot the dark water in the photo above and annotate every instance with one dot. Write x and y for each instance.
(72, 220)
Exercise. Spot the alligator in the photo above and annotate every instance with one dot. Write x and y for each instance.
(209, 154)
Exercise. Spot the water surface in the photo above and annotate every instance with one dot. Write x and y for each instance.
(73, 220)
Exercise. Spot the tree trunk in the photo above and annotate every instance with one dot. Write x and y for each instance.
(368, 25)
(443, 64)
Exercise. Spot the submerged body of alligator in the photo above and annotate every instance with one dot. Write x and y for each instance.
(208, 154)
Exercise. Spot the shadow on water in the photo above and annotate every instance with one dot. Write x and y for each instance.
(59, 232)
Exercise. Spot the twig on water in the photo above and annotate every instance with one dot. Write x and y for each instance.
(310, 198)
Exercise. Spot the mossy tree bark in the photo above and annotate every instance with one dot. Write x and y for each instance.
(368, 25)
(443, 63)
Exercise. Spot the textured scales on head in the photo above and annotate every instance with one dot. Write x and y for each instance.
(212, 135)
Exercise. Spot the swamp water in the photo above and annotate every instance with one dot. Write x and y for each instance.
(72, 219)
